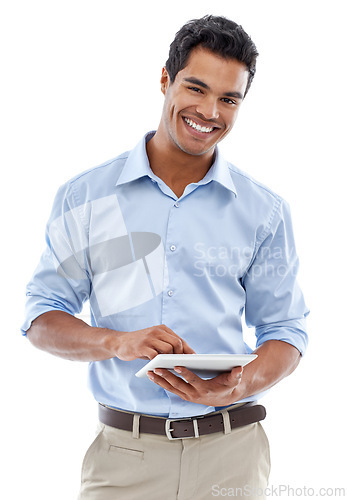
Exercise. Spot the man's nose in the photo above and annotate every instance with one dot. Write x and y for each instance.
(208, 108)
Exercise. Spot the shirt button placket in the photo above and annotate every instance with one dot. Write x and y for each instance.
(171, 249)
(173, 296)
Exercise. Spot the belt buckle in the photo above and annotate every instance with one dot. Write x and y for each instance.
(168, 429)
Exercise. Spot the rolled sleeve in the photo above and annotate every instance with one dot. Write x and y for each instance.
(275, 305)
(61, 279)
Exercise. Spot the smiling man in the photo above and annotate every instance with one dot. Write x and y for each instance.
(172, 245)
(201, 106)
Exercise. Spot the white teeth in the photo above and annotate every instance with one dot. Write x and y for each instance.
(198, 127)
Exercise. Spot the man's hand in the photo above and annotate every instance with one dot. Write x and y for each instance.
(217, 391)
(147, 343)
(276, 360)
(64, 335)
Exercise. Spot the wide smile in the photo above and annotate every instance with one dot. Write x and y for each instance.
(202, 131)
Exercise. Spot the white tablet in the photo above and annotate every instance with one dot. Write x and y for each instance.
(204, 365)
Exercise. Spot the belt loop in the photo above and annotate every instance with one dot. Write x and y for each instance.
(136, 426)
(226, 422)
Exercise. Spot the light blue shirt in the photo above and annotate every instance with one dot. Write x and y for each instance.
(120, 238)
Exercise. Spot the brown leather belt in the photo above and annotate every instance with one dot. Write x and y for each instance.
(248, 413)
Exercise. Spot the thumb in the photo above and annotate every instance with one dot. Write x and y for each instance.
(231, 378)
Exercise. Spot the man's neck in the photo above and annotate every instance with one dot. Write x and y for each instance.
(175, 167)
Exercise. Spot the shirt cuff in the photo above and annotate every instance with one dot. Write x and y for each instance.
(291, 331)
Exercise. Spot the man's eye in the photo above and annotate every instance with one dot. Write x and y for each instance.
(195, 89)
(228, 101)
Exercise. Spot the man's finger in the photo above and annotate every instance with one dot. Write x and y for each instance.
(169, 382)
(186, 348)
(189, 376)
(230, 378)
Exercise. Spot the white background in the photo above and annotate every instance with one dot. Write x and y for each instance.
(79, 85)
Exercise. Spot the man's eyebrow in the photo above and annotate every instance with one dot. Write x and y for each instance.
(196, 81)
(236, 95)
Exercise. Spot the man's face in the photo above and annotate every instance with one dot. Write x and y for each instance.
(202, 104)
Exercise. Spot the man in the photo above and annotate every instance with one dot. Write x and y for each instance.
(171, 244)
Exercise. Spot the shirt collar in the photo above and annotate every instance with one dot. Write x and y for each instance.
(137, 166)
(220, 172)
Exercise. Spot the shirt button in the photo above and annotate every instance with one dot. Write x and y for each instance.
(176, 204)
(173, 248)
(170, 293)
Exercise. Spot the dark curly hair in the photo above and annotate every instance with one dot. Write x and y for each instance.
(219, 35)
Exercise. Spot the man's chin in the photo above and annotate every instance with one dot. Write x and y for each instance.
(196, 151)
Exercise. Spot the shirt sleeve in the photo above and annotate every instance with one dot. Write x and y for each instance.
(275, 304)
(61, 280)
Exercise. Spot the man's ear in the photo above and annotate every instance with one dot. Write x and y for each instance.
(164, 80)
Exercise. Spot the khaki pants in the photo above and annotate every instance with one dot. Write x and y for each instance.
(118, 465)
